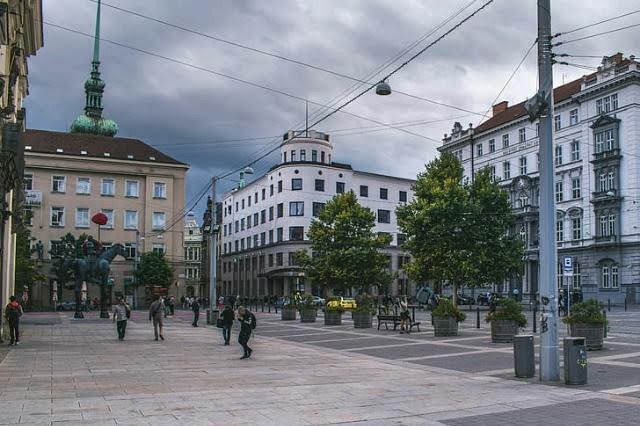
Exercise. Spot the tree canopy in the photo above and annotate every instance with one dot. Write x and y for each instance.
(458, 232)
(345, 250)
(153, 270)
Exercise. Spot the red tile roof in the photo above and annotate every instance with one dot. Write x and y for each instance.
(45, 141)
(560, 93)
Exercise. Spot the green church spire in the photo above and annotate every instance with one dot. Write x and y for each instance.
(92, 121)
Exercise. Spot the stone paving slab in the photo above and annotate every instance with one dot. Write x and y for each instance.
(410, 351)
(472, 363)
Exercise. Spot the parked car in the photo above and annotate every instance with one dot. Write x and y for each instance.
(344, 303)
(485, 298)
(319, 301)
(464, 300)
(67, 306)
(282, 302)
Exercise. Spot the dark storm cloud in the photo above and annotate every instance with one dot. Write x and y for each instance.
(183, 111)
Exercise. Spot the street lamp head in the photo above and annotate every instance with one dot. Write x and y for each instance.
(248, 170)
(383, 88)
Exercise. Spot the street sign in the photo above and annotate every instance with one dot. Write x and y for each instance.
(567, 265)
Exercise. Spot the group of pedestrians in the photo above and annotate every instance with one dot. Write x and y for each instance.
(247, 324)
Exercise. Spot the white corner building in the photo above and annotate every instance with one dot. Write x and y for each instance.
(265, 222)
(597, 185)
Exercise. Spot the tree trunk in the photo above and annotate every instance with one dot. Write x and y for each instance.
(454, 298)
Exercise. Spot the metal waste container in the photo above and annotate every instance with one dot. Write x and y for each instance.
(523, 356)
(575, 361)
(212, 316)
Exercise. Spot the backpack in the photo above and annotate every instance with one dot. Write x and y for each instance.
(253, 322)
(128, 311)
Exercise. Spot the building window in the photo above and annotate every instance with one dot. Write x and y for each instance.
(558, 156)
(573, 117)
(263, 216)
(492, 145)
(132, 188)
(322, 156)
(576, 228)
(384, 194)
(284, 157)
(557, 122)
(130, 250)
(317, 209)
(314, 156)
(160, 190)
(575, 187)
(605, 141)
(522, 135)
(575, 150)
(255, 241)
(158, 220)
(559, 192)
(492, 172)
(523, 165)
(339, 187)
(402, 196)
(609, 277)
(319, 185)
(242, 224)
(263, 238)
(271, 190)
(242, 204)
(505, 141)
(280, 186)
(58, 184)
(83, 185)
(130, 219)
(293, 155)
(271, 236)
(280, 210)
(575, 278)
(249, 201)
(402, 238)
(255, 219)
(296, 208)
(303, 155)
(279, 259)
(82, 217)
(27, 182)
(479, 150)
(364, 191)
(108, 187)
(279, 234)
(57, 216)
(506, 170)
(264, 194)
(271, 213)
(158, 248)
(607, 104)
(559, 230)
(296, 233)
(384, 216)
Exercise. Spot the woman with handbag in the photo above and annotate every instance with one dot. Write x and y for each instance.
(226, 322)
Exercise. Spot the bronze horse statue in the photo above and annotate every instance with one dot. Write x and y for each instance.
(93, 269)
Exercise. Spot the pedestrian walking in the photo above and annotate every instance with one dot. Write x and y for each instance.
(12, 313)
(405, 318)
(155, 315)
(227, 322)
(247, 325)
(121, 313)
(195, 307)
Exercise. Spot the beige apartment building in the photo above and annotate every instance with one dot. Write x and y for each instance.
(69, 177)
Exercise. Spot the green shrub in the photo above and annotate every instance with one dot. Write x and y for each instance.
(306, 302)
(587, 312)
(365, 303)
(508, 310)
(336, 308)
(446, 309)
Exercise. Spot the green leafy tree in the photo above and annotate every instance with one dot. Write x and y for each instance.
(346, 251)
(26, 270)
(153, 270)
(458, 233)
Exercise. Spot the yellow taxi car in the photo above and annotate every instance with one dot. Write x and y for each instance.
(344, 303)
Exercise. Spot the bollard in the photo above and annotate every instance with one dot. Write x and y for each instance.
(535, 318)
(276, 307)
(605, 323)
(478, 317)
(625, 304)
(262, 307)
(609, 305)
(524, 356)
(269, 307)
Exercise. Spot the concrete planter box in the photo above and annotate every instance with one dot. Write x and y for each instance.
(308, 315)
(593, 334)
(502, 331)
(362, 319)
(332, 317)
(447, 326)
(288, 314)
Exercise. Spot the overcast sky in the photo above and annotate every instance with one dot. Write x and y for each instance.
(187, 112)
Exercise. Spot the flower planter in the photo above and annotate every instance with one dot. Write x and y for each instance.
(447, 326)
(308, 315)
(288, 314)
(332, 317)
(593, 334)
(362, 319)
(502, 331)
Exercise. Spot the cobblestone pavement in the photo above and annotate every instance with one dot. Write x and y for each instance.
(76, 372)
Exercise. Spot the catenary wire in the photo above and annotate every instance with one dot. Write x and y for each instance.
(597, 23)
(560, 43)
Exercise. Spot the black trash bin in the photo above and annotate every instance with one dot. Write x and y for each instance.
(575, 361)
(523, 356)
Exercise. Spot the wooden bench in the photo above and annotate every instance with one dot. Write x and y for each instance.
(386, 319)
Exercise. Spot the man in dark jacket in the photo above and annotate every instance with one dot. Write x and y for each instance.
(195, 307)
(247, 324)
(155, 315)
(12, 313)
(227, 322)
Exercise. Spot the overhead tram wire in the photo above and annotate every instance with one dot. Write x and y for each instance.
(295, 61)
(561, 43)
(597, 23)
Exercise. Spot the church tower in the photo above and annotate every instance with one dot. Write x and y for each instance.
(92, 122)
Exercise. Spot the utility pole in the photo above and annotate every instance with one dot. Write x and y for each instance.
(549, 359)
(213, 263)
